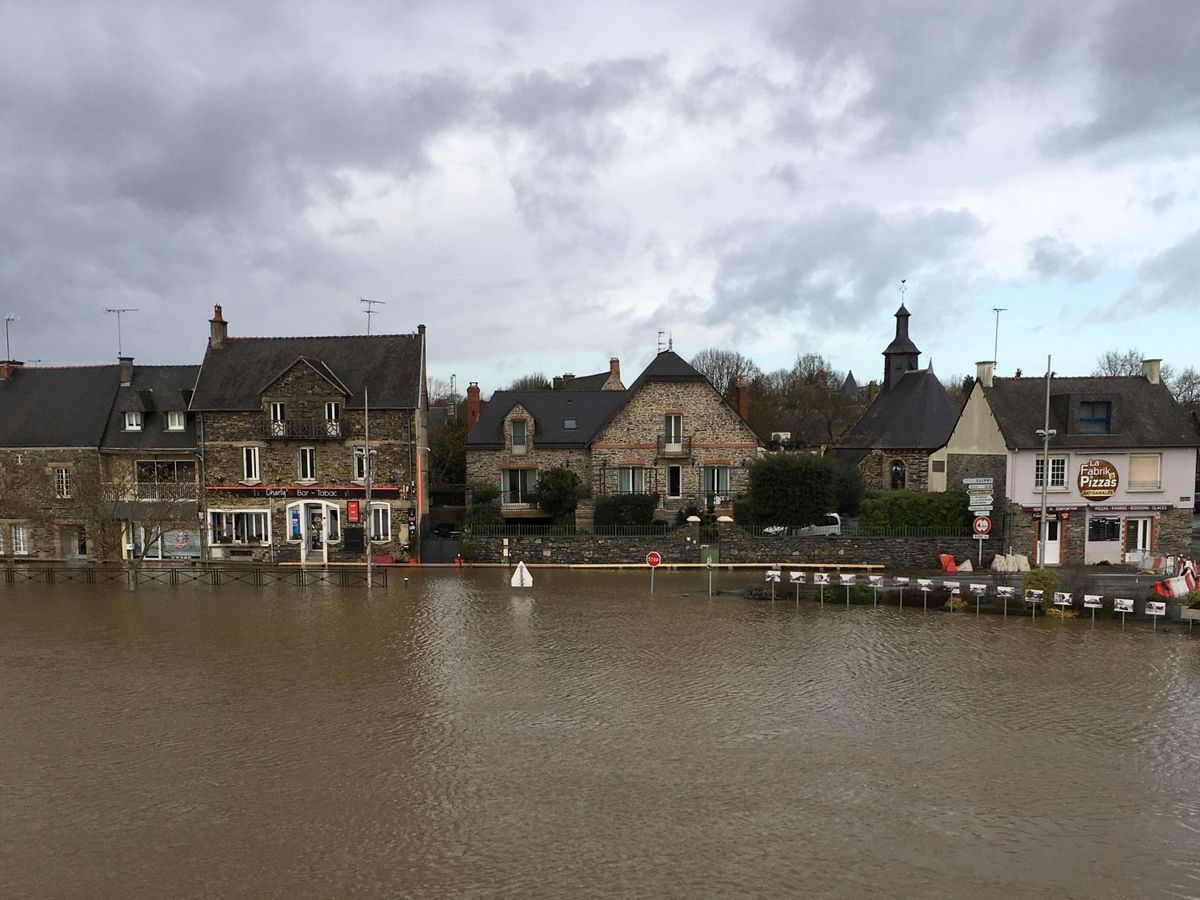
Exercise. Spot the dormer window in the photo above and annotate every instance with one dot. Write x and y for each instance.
(333, 418)
(133, 421)
(520, 436)
(1095, 417)
(176, 421)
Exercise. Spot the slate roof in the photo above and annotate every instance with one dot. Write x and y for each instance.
(589, 409)
(667, 366)
(902, 343)
(586, 382)
(56, 407)
(916, 414)
(154, 391)
(233, 377)
(1143, 414)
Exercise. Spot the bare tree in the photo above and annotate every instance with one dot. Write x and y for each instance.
(1127, 362)
(535, 381)
(723, 367)
(1185, 387)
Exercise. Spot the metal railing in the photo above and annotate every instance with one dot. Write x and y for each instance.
(313, 428)
(524, 529)
(680, 447)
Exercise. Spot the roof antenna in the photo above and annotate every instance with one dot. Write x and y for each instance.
(660, 341)
(9, 319)
(118, 311)
(670, 341)
(370, 309)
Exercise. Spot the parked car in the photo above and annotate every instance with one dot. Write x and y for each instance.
(831, 523)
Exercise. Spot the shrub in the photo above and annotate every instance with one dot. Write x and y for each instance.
(1044, 580)
(908, 509)
(848, 487)
(558, 492)
(484, 492)
(792, 489)
(484, 515)
(743, 512)
(629, 510)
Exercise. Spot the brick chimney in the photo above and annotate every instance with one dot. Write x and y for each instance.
(472, 405)
(985, 371)
(614, 369)
(743, 397)
(218, 329)
(125, 364)
(8, 368)
(1152, 370)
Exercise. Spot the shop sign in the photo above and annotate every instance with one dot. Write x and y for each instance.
(334, 492)
(1098, 479)
(352, 512)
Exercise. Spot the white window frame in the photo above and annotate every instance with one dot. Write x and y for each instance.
(713, 477)
(631, 479)
(673, 430)
(1058, 479)
(20, 540)
(277, 412)
(333, 418)
(522, 446)
(382, 512)
(176, 420)
(524, 494)
(306, 464)
(251, 465)
(358, 464)
(62, 483)
(1, 540)
(133, 421)
(1156, 485)
(230, 516)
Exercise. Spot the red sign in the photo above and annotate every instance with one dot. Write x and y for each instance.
(653, 559)
(981, 525)
(352, 512)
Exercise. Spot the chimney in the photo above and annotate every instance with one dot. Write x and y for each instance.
(8, 368)
(567, 378)
(985, 371)
(472, 405)
(218, 329)
(614, 369)
(743, 397)
(421, 330)
(1152, 370)
(126, 369)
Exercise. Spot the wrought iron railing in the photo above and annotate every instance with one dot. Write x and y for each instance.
(310, 429)
(680, 446)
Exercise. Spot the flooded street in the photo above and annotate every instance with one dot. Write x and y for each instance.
(584, 739)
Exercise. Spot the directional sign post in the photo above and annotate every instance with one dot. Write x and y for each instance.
(653, 560)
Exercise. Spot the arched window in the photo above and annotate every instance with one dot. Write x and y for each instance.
(898, 475)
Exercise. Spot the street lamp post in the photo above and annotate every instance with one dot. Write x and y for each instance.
(1045, 433)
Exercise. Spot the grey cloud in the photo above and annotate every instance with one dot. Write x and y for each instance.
(1169, 279)
(1147, 79)
(1053, 257)
(788, 175)
(831, 265)
(924, 63)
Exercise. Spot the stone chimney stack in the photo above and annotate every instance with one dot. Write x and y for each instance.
(743, 397)
(126, 369)
(1152, 370)
(985, 371)
(218, 329)
(472, 405)
(614, 369)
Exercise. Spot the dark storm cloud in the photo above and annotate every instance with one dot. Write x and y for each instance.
(921, 64)
(1053, 257)
(830, 266)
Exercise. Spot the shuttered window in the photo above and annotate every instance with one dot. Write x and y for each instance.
(1145, 471)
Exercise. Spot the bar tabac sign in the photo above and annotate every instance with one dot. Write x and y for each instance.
(1098, 479)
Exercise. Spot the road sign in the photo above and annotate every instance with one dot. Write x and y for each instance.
(653, 559)
(978, 482)
(981, 525)
(976, 500)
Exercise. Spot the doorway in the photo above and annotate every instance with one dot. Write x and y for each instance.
(1137, 537)
(1052, 552)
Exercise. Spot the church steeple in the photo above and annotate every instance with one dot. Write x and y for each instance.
(901, 354)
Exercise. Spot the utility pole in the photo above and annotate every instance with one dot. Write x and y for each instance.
(368, 475)
(996, 346)
(1045, 433)
(370, 310)
(10, 318)
(118, 311)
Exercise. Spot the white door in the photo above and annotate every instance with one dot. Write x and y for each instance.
(1053, 549)
(312, 546)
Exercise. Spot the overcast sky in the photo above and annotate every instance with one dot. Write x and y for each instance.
(546, 186)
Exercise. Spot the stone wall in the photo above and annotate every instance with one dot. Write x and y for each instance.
(735, 546)
(1173, 534)
(876, 468)
(484, 466)
(27, 498)
(978, 465)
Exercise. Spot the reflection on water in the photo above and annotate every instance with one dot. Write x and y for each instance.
(584, 738)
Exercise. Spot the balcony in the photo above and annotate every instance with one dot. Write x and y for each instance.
(678, 446)
(310, 429)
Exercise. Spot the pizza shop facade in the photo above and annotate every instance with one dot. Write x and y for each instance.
(1119, 507)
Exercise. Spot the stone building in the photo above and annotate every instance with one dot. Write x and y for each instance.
(908, 419)
(1121, 464)
(670, 435)
(290, 428)
(96, 459)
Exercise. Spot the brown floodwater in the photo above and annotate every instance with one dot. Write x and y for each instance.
(583, 738)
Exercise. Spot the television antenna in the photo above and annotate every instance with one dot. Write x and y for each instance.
(11, 317)
(996, 345)
(370, 309)
(118, 311)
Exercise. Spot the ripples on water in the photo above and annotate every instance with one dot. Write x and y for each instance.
(585, 739)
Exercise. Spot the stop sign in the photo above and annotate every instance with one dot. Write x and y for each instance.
(653, 559)
(982, 525)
